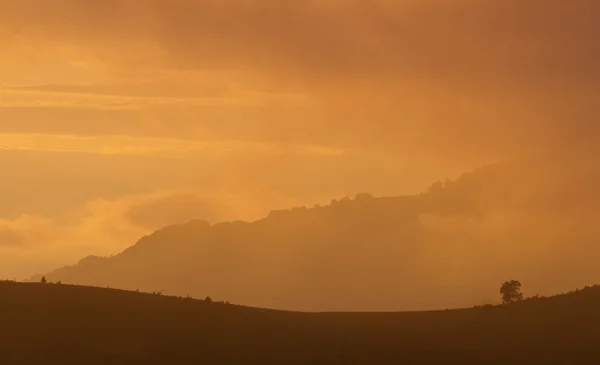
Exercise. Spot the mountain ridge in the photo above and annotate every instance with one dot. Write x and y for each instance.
(459, 237)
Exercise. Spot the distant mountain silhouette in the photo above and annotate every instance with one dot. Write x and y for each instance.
(62, 324)
(447, 247)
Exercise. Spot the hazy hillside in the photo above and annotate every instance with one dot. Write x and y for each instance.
(62, 324)
(448, 247)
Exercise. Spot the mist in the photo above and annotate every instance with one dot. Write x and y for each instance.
(118, 118)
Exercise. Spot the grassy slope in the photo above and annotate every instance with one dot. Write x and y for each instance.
(62, 324)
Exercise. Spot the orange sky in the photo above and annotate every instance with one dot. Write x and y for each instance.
(225, 109)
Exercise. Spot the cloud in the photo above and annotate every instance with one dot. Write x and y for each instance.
(110, 97)
(447, 39)
(46, 183)
(146, 146)
(173, 209)
(21, 232)
(8, 237)
(106, 227)
(437, 77)
(171, 86)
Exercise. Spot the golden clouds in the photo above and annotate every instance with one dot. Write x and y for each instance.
(299, 98)
(460, 42)
(146, 146)
(105, 227)
(374, 68)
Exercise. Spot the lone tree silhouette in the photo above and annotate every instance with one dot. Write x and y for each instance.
(511, 291)
(43, 281)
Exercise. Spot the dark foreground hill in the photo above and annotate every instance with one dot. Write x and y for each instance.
(61, 324)
(448, 247)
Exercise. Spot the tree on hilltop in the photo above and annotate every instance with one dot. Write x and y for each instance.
(511, 291)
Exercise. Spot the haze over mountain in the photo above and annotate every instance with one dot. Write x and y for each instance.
(118, 117)
(448, 247)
